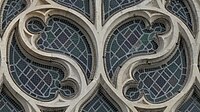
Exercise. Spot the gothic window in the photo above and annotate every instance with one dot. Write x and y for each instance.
(99, 56)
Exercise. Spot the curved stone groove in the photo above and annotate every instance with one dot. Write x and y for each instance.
(179, 8)
(83, 6)
(128, 40)
(100, 103)
(37, 80)
(112, 6)
(162, 82)
(10, 9)
(191, 105)
(8, 103)
(60, 35)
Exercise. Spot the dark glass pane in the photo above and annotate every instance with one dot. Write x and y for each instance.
(35, 25)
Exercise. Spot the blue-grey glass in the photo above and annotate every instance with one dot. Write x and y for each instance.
(128, 40)
(62, 36)
(162, 82)
(10, 10)
(112, 6)
(35, 79)
(191, 105)
(7, 104)
(100, 104)
(35, 25)
(81, 5)
(178, 8)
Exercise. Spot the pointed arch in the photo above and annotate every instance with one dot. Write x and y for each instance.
(100, 102)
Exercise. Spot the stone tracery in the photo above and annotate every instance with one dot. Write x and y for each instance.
(128, 44)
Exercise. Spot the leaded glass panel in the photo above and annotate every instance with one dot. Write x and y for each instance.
(84, 6)
(112, 6)
(162, 82)
(130, 39)
(179, 8)
(38, 80)
(191, 105)
(100, 104)
(61, 36)
(50, 63)
(8, 104)
(10, 10)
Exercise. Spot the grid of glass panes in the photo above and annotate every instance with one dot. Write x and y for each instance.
(100, 104)
(7, 104)
(191, 105)
(62, 36)
(128, 40)
(10, 10)
(81, 5)
(112, 6)
(178, 8)
(162, 82)
(37, 80)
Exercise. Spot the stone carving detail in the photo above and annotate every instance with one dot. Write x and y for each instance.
(162, 82)
(40, 81)
(99, 55)
(128, 40)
